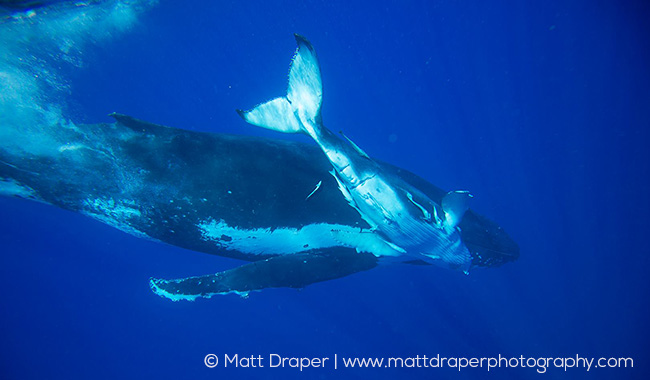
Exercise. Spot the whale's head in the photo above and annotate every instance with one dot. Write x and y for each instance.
(488, 243)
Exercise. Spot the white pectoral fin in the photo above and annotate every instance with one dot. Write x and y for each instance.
(454, 204)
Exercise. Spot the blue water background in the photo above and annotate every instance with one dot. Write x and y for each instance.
(541, 109)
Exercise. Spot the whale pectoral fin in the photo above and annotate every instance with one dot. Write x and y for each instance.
(138, 125)
(454, 204)
(293, 271)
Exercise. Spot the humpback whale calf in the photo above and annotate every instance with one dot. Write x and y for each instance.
(403, 217)
(299, 213)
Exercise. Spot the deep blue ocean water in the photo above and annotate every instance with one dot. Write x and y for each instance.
(541, 109)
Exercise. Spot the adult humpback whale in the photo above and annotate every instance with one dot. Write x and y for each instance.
(267, 201)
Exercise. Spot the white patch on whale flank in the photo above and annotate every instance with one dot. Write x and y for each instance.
(287, 240)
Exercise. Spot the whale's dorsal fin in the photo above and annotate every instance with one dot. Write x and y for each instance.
(136, 124)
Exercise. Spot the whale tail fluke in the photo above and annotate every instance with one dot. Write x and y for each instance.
(300, 108)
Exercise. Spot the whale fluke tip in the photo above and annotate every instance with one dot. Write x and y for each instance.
(301, 40)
